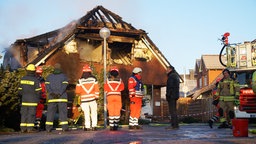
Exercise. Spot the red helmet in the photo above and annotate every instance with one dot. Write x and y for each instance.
(114, 69)
(226, 34)
(39, 69)
(87, 68)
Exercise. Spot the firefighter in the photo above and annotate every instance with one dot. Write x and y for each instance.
(30, 91)
(136, 93)
(254, 82)
(40, 107)
(113, 87)
(88, 91)
(56, 84)
(227, 91)
(215, 102)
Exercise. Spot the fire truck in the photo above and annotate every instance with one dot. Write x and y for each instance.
(240, 59)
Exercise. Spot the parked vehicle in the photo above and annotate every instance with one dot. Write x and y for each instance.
(240, 59)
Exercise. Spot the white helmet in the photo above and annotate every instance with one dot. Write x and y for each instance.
(137, 70)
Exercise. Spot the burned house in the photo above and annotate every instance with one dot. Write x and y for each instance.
(79, 43)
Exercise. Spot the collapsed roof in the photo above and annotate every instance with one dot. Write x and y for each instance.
(89, 26)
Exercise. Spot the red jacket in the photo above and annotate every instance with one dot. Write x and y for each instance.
(135, 87)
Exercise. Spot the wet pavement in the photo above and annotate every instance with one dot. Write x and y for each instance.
(151, 134)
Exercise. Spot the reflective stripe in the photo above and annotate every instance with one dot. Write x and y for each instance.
(114, 93)
(28, 104)
(47, 82)
(65, 82)
(49, 123)
(118, 84)
(58, 100)
(30, 124)
(27, 82)
(139, 93)
(222, 120)
(86, 99)
(86, 90)
(139, 96)
(227, 98)
(23, 124)
(38, 89)
(27, 124)
(64, 123)
(131, 92)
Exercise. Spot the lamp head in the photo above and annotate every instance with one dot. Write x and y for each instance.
(104, 32)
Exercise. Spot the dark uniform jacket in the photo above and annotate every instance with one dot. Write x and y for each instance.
(56, 84)
(30, 89)
(173, 86)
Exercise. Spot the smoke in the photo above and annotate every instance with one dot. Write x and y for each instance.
(3, 48)
(63, 33)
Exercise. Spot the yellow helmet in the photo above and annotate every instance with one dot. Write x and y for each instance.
(31, 67)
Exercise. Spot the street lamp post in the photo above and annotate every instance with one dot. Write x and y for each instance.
(105, 33)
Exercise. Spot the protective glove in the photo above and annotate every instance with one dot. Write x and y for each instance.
(236, 102)
(215, 102)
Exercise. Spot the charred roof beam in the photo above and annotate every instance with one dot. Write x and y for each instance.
(109, 18)
(102, 18)
(117, 18)
(84, 19)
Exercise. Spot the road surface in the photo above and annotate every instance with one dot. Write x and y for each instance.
(151, 134)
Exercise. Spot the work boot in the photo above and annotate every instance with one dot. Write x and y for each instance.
(94, 128)
(115, 128)
(49, 130)
(221, 126)
(132, 127)
(224, 125)
(210, 122)
(32, 131)
(66, 130)
(87, 129)
(111, 128)
(138, 127)
(23, 130)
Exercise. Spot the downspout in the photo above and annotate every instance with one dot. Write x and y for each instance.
(152, 101)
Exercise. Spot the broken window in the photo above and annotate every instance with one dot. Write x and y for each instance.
(89, 50)
(120, 52)
(71, 47)
(142, 52)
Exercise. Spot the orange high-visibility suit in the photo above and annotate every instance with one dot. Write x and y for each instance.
(113, 88)
(136, 94)
(88, 90)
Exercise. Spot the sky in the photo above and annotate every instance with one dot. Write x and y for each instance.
(183, 30)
